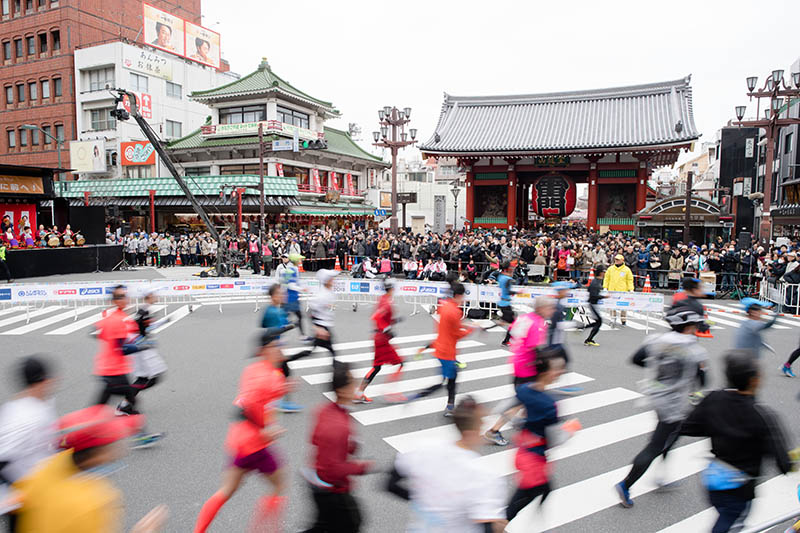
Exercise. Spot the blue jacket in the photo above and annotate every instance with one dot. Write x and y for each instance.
(644, 259)
(274, 317)
(504, 282)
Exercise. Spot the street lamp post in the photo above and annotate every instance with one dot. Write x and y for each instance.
(456, 190)
(394, 118)
(776, 91)
(59, 147)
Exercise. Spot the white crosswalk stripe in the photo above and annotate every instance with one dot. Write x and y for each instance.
(738, 318)
(25, 316)
(367, 343)
(90, 321)
(39, 324)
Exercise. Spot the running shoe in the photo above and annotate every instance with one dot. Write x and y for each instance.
(361, 398)
(569, 390)
(624, 495)
(505, 343)
(287, 406)
(591, 343)
(418, 355)
(460, 365)
(145, 440)
(395, 397)
(125, 409)
(448, 412)
(696, 397)
(787, 371)
(495, 437)
(624, 321)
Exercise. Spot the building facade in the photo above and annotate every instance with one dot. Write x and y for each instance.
(38, 39)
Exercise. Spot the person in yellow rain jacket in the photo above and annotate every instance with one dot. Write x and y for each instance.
(619, 278)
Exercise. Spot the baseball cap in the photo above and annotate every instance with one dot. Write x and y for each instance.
(325, 275)
(619, 256)
(96, 426)
(681, 315)
(752, 303)
(294, 258)
(34, 370)
(562, 285)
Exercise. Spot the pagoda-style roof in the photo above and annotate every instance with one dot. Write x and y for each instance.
(601, 120)
(339, 142)
(261, 82)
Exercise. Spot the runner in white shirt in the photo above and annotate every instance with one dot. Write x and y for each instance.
(448, 489)
(322, 305)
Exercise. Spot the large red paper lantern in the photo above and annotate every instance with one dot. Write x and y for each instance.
(553, 195)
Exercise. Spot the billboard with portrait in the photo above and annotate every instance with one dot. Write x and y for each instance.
(87, 156)
(163, 30)
(202, 45)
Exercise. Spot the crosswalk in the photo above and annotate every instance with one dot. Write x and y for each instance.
(615, 416)
(62, 320)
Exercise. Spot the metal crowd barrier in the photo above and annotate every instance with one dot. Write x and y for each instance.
(769, 524)
(784, 295)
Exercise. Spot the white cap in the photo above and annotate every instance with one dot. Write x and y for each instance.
(325, 275)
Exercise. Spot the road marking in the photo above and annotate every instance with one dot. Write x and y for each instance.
(33, 326)
(325, 377)
(176, 315)
(464, 376)
(91, 320)
(774, 497)
(783, 320)
(367, 344)
(585, 440)
(594, 400)
(33, 314)
(592, 495)
(427, 406)
(740, 318)
(366, 356)
(731, 323)
(15, 309)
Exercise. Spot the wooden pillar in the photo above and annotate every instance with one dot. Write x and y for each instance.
(512, 197)
(641, 186)
(591, 216)
(239, 193)
(152, 211)
(470, 207)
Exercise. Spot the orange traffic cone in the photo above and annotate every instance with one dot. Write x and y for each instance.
(349, 261)
(300, 266)
(591, 277)
(337, 266)
(647, 287)
(419, 270)
(178, 260)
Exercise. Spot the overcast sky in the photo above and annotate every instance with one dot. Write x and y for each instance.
(362, 55)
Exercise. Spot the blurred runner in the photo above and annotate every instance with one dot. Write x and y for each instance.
(250, 440)
(334, 442)
(275, 317)
(504, 281)
(690, 298)
(69, 492)
(448, 489)
(450, 331)
(385, 354)
(672, 361)
(748, 334)
(742, 433)
(148, 365)
(27, 426)
(322, 316)
(289, 277)
(595, 288)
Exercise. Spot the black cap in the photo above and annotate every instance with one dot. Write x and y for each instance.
(33, 370)
(270, 335)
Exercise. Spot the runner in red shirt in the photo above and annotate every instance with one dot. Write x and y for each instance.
(250, 439)
(385, 354)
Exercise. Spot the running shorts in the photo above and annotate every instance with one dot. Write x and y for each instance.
(506, 314)
(522, 381)
(449, 369)
(263, 460)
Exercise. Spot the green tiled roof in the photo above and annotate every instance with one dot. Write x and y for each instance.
(339, 142)
(198, 185)
(261, 81)
(307, 208)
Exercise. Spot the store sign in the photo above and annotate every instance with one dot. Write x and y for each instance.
(144, 102)
(87, 156)
(553, 195)
(251, 128)
(279, 169)
(21, 185)
(551, 161)
(439, 213)
(406, 198)
(137, 153)
(749, 147)
(315, 185)
(386, 199)
(146, 62)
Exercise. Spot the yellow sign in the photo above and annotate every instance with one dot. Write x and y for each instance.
(21, 185)
(386, 199)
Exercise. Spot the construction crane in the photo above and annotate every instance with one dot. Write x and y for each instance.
(227, 260)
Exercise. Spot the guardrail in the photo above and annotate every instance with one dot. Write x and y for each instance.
(784, 295)
(778, 520)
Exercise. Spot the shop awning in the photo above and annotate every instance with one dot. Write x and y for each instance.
(334, 210)
(181, 201)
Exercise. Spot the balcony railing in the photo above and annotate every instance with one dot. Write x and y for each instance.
(306, 188)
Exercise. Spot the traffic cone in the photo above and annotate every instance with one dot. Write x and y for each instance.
(459, 266)
(349, 261)
(300, 266)
(647, 287)
(419, 270)
(178, 261)
(337, 266)
(591, 277)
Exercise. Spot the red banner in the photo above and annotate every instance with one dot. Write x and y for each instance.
(145, 102)
(137, 153)
(335, 181)
(279, 169)
(349, 184)
(315, 186)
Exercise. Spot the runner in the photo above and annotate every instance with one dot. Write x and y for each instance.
(322, 315)
(334, 442)
(448, 489)
(275, 317)
(748, 334)
(250, 440)
(672, 361)
(148, 365)
(690, 298)
(529, 335)
(69, 493)
(504, 281)
(742, 433)
(450, 331)
(595, 288)
(290, 278)
(385, 354)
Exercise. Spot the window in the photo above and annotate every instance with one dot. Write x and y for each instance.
(139, 171)
(34, 137)
(174, 129)
(56, 86)
(47, 134)
(60, 132)
(42, 3)
(18, 47)
(12, 138)
(7, 50)
(30, 43)
(787, 145)
(23, 137)
(198, 171)
(239, 115)
(290, 116)
(17, 7)
(33, 91)
(42, 43)
(102, 119)
(28, 4)
(56, 39)
(174, 90)
(20, 92)
(139, 83)
(9, 94)
(230, 170)
(6, 8)
(101, 78)
(45, 89)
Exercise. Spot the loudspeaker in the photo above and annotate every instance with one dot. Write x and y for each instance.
(745, 240)
(90, 222)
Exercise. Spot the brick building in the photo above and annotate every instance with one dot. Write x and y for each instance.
(37, 43)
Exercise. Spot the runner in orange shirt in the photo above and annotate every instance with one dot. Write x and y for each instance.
(250, 439)
(450, 331)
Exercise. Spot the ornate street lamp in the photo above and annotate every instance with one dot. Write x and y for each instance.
(394, 118)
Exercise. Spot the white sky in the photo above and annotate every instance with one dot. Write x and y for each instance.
(362, 55)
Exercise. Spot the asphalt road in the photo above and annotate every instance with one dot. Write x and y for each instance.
(207, 349)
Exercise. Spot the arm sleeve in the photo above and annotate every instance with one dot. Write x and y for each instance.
(771, 322)
(695, 424)
(395, 485)
(488, 500)
(640, 356)
(775, 439)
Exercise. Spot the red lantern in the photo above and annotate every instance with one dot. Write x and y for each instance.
(553, 195)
